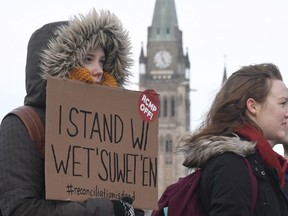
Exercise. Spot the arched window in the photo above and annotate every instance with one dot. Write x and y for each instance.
(165, 107)
(168, 149)
(167, 31)
(172, 106)
(168, 146)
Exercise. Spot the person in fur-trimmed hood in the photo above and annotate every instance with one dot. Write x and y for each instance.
(93, 48)
(66, 54)
(251, 108)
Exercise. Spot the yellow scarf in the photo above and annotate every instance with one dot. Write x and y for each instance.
(84, 75)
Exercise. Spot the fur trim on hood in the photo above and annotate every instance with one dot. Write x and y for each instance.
(66, 51)
(198, 153)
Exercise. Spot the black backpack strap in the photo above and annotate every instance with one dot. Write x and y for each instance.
(34, 126)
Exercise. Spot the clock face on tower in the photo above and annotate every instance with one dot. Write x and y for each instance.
(162, 59)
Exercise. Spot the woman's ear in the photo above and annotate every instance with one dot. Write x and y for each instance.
(251, 105)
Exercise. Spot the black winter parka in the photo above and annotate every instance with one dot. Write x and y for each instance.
(226, 188)
(225, 185)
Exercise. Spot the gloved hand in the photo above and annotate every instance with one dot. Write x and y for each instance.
(139, 212)
(123, 207)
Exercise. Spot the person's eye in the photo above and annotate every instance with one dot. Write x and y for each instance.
(284, 102)
(101, 62)
(87, 59)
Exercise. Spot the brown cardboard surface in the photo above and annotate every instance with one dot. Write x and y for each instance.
(98, 145)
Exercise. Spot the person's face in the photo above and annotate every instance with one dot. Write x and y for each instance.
(94, 61)
(272, 114)
(284, 141)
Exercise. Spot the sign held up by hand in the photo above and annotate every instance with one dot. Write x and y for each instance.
(101, 142)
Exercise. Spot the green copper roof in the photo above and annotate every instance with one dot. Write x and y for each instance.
(164, 21)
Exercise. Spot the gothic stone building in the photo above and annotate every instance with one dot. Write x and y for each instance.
(166, 69)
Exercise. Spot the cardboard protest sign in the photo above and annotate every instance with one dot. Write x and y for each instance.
(101, 142)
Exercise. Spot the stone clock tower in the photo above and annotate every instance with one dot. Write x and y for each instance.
(166, 69)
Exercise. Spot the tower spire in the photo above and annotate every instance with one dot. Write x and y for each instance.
(164, 21)
(225, 72)
(142, 58)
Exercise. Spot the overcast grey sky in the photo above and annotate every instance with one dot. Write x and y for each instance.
(246, 32)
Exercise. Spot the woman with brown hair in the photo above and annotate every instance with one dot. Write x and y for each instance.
(250, 108)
